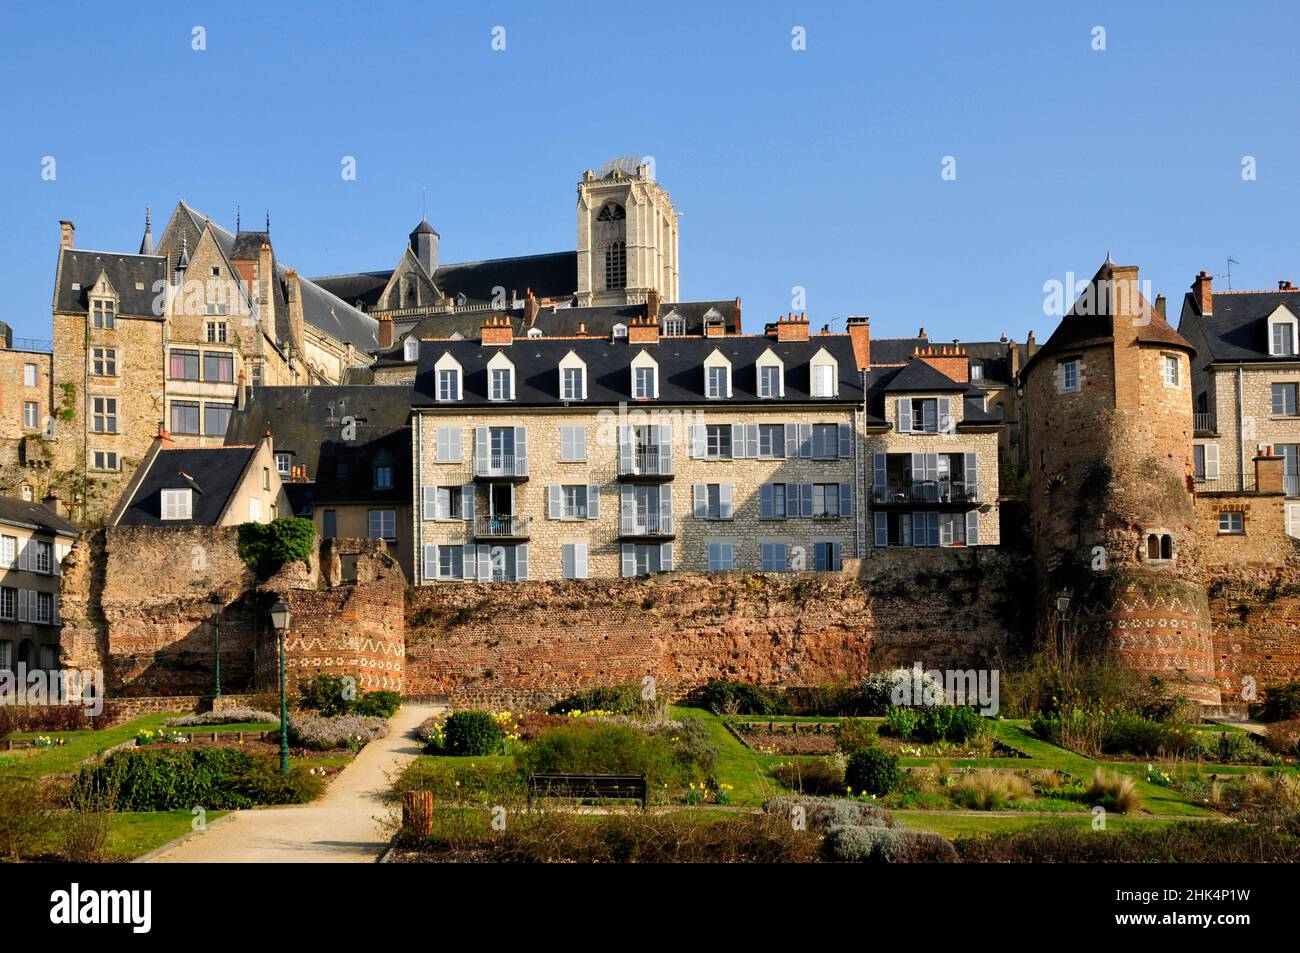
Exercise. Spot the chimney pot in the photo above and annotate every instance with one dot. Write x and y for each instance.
(1203, 290)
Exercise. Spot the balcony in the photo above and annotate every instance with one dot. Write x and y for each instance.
(502, 527)
(1229, 484)
(1203, 423)
(648, 525)
(1291, 484)
(501, 466)
(941, 492)
(645, 463)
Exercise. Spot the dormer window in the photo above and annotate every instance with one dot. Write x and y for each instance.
(284, 464)
(177, 504)
(771, 375)
(620, 331)
(501, 378)
(534, 332)
(824, 373)
(103, 314)
(674, 325)
(383, 477)
(977, 372)
(717, 376)
(411, 349)
(447, 377)
(1282, 333)
(573, 378)
(645, 377)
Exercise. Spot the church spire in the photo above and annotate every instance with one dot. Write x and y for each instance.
(146, 243)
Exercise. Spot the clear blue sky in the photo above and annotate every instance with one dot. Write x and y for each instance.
(818, 168)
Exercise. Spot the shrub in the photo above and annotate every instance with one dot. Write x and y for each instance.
(695, 743)
(852, 735)
(818, 776)
(901, 722)
(1281, 703)
(966, 724)
(378, 704)
(52, 718)
(990, 790)
(596, 747)
(265, 547)
(327, 734)
(931, 723)
(872, 771)
(848, 843)
(327, 695)
(1225, 746)
(737, 698)
(820, 813)
(1283, 737)
(230, 716)
(1184, 842)
(900, 687)
(618, 699)
(148, 779)
(86, 825)
(1114, 792)
(27, 817)
(472, 733)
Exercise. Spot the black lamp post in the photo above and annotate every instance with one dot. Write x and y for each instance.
(1063, 614)
(216, 625)
(280, 619)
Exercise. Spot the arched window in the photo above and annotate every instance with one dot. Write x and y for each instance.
(674, 324)
(612, 212)
(411, 348)
(1153, 546)
(1166, 547)
(616, 266)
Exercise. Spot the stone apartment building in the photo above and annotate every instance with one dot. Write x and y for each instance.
(34, 538)
(26, 402)
(600, 457)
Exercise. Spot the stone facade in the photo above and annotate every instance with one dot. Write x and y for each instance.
(625, 213)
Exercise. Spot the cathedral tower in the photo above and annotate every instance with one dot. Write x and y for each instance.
(1108, 428)
(627, 236)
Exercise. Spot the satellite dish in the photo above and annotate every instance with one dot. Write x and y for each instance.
(625, 164)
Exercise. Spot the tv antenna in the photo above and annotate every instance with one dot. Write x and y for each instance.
(1228, 274)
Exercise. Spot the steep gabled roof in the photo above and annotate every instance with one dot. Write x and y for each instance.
(212, 473)
(1237, 330)
(36, 516)
(134, 278)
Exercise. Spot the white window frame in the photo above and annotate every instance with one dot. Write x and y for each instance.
(823, 375)
(1169, 370)
(411, 348)
(1069, 368)
(768, 360)
(1283, 317)
(383, 518)
(643, 362)
(177, 504)
(1234, 525)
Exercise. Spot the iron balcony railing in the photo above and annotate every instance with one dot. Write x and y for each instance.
(1291, 484)
(940, 492)
(500, 465)
(648, 524)
(1203, 423)
(1228, 484)
(502, 526)
(645, 461)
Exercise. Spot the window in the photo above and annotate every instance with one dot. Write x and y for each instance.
(924, 414)
(619, 331)
(643, 383)
(8, 606)
(674, 325)
(185, 417)
(104, 415)
(716, 382)
(1284, 399)
(411, 349)
(573, 443)
(1069, 371)
(218, 367)
(722, 557)
(184, 365)
(43, 612)
(1205, 461)
(772, 502)
(826, 499)
(177, 504)
(826, 557)
(383, 477)
(615, 266)
(769, 381)
(255, 509)
(573, 502)
(41, 556)
(383, 524)
(216, 332)
(449, 384)
(447, 504)
(32, 414)
(102, 312)
(284, 464)
(573, 560)
(1169, 370)
(103, 361)
(717, 441)
(825, 441)
(451, 562)
(330, 519)
(642, 559)
(977, 372)
(823, 380)
(31, 375)
(572, 383)
(104, 460)
(713, 501)
(773, 557)
(1232, 522)
(216, 418)
(447, 445)
(1283, 339)
(8, 552)
(255, 375)
(500, 387)
(771, 441)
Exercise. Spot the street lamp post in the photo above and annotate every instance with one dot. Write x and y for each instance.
(280, 619)
(1063, 615)
(216, 625)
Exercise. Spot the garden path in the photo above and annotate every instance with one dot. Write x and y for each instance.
(346, 825)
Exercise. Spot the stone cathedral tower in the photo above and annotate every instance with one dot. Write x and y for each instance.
(1108, 429)
(627, 236)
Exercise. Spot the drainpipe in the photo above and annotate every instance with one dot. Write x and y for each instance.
(1241, 432)
(417, 542)
(860, 502)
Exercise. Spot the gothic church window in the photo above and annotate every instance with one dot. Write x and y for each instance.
(613, 212)
(616, 265)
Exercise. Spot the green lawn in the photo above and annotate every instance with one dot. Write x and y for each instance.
(745, 770)
(133, 834)
(78, 746)
(957, 825)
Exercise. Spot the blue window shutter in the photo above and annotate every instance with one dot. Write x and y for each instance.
(766, 505)
(934, 528)
(467, 567)
(846, 499)
(724, 500)
(972, 528)
(846, 440)
(567, 561)
(806, 499)
(837, 562)
(429, 497)
(430, 562)
(629, 559)
(737, 441)
(666, 557)
(467, 501)
(593, 502)
(791, 440)
(882, 529)
(879, 478)
(904, 414)
(700, 492)
(805, 440)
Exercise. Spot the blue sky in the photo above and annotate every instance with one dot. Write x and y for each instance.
(819, 168)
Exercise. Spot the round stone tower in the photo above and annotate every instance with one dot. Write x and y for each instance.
(1108, 416)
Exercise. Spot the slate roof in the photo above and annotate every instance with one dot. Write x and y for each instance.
(213, 472)
(308, 423)
(1237, 330)
(36, 515)
(680, 360)
(82, 267)
(920, 377)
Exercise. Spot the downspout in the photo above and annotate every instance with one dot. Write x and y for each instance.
(861, 502)
(417, 542)
(1241, 432)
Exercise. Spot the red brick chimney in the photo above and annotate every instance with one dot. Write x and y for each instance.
(790, 328)
(54, 505)
(497, 330)
(643, 331)
(950, 360)
(385, 332)
(1203, 293)
(165, 437)
(530, 308)
(652, 302)
(860, 335)
(1285, 286)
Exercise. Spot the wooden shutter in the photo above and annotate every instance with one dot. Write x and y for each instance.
(882, 529)
(933, 527)
(699, 441)
(480, 446)
(700, 494)
(22, 605)
(791, 440)
(879, 479)
(944, 424)
(625, 450)
(972, 528)
(1211, 461)
(484, 561)
(521, 562)
(805, 440)
(724, 500)
(737, 441)
(766, 502)
(904, 414)
(846, 440)
(567, 561)
(593, 501)
(846, 499)
(666, 557)
(22, 553)
(468, 569)
(629, 559)
(521, 450)
(430, 562)
(467, 501)
(429, 508)
(626, 502)
(553, 502)
(666, 508)
(665, 447)
(971, 465)
(1293, 519)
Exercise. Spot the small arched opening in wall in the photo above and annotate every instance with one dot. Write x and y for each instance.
(1158, 546)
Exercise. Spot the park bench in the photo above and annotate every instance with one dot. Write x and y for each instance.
(606, 787)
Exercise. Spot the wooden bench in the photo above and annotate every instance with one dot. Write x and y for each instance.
(608, 787)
